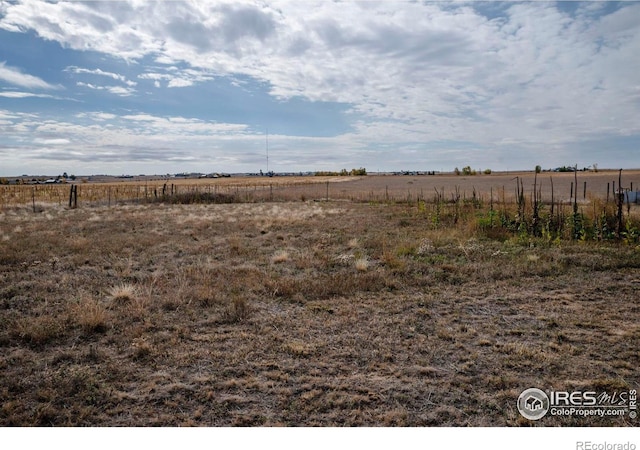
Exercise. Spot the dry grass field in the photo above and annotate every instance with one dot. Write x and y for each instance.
(499, 186)
(333, 313)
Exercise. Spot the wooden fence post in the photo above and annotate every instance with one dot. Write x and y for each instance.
(571, 194)
(552, 200)
(620, 200)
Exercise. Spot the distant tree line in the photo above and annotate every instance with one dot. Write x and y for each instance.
(467, 171)
(59, 179)
(343, 173)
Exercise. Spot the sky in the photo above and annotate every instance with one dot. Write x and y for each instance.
(156, 87)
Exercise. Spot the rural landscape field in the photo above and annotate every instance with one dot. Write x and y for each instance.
(355, 301)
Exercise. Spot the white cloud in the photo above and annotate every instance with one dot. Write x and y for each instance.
(121, 91)
(141, 117)
(16, 94)
(15, 76)
(154, 76)
(177, 77)
(528, 76)
(57, 141)
(179, 82)
(101, 72)
(118, 90)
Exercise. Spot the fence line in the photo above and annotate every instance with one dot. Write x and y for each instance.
(88, 194)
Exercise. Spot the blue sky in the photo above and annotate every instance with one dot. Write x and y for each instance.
(172, 86)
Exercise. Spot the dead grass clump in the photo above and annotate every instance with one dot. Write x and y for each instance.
(122, 266)
(123, 294)
(205, 296)
(299, 349)
(393, 262)
(39, 331)
(362, 264)
(141, 349)
(237, 246)
(353, 243)
(139, 307)
(280, 256)
(90, 314)
(238, 309)
(79, 244)
(531, 257)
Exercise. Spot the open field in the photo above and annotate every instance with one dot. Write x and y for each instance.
(304, 313)
(500, 186)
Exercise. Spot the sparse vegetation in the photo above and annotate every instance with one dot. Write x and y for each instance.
(280, 256)
(123, 293)
(343, 173)
(390, 309)
(362, 264)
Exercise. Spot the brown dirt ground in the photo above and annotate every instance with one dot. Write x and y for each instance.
(305, 313)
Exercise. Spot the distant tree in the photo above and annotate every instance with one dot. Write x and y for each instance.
(467, 170)
(64, 175)
(538, 169)
(595, 167)
(487, 171)
(456, 171)
(73, 177)
(360, 171)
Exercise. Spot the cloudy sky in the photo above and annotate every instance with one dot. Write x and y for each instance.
(138, 86)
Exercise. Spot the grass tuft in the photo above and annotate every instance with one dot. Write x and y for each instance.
(90, 314)
(362, 264)
(123, 294)
(280, 256)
